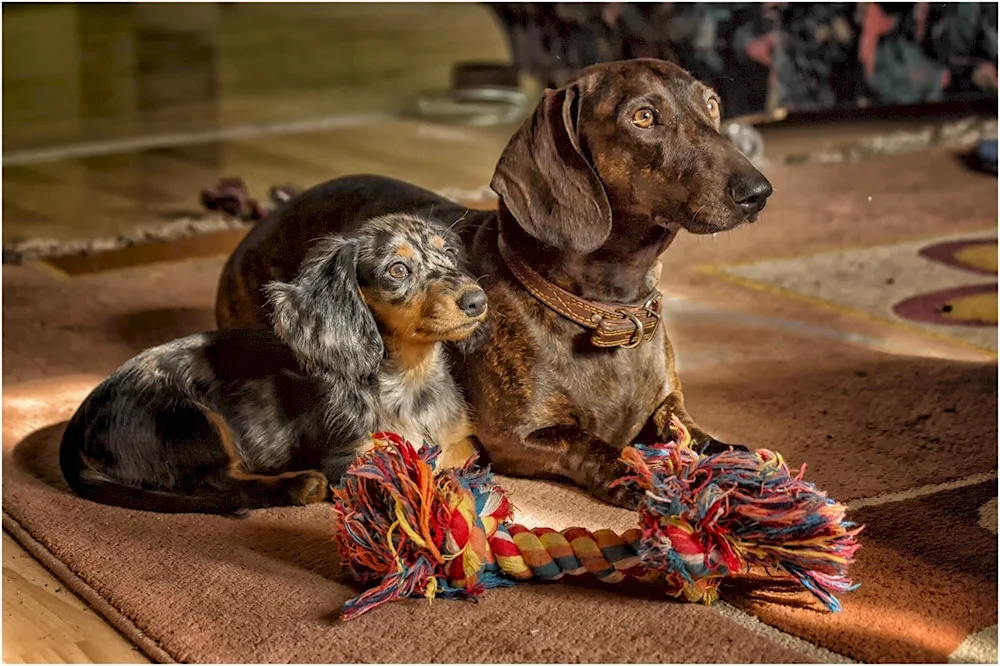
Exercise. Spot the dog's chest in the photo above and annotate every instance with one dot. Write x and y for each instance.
(420, 406)
(614, 392)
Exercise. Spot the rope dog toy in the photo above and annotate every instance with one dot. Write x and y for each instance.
(409, 530)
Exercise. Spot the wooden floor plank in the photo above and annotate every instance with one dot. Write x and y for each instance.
(43, 622)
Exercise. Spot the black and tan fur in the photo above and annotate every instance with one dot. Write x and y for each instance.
(593, 188)
(230, 420)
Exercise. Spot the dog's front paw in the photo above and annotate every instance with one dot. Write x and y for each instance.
(310, 488)
(625, 495)
(713, 446)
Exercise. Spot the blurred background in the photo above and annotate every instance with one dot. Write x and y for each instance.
(116, 116)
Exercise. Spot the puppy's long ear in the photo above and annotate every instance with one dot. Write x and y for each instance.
(322, 316)
(547, 183)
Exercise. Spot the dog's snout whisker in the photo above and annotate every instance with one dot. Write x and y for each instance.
(453, 224)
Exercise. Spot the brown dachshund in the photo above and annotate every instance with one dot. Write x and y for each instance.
(593, 188)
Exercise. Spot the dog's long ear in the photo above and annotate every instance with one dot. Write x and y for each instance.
(322, 316)
(547, 183)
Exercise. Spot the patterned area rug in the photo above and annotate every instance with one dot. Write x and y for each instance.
(910, 442)
(900, 425)
(946, 286)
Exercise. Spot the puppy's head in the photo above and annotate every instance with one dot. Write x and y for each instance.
(399, 277)
(636, 140)
(412, 273)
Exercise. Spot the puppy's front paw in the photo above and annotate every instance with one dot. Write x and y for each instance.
(713, 446)
(311, 488)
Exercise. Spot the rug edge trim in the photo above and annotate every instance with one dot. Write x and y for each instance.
(93, 599)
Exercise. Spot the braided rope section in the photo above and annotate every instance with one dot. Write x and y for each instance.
(408, 530)
(546, 554)
(543, 553)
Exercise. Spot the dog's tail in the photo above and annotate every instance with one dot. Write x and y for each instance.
(107, 491)
(91, 484)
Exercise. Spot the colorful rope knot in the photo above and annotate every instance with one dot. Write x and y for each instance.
(410, 530)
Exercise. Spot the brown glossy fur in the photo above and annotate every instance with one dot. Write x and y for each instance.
(588, 199)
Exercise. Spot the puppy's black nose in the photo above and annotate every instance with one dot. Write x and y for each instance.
(750, 191)
(473, 303)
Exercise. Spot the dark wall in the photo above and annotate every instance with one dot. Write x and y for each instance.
(761, 57)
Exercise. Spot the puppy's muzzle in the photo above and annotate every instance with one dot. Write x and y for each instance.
(749, 190)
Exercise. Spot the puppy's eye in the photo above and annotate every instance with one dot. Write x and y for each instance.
(644, 118)
(398, 270)
(714, 109)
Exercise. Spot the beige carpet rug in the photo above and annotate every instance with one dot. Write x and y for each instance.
(901, 426)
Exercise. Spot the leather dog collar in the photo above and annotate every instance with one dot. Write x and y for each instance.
(614, 324)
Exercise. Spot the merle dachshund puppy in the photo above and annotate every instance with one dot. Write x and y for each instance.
(594, 187)
(225, 421)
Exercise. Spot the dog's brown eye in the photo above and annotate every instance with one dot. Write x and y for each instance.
(713, 108)
(399, 270)
(643, 118)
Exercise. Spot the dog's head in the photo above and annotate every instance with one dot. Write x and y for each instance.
(635, 140)
(399, 277)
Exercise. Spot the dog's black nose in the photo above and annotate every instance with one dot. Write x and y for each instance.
(473, 303)
(750, 191)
